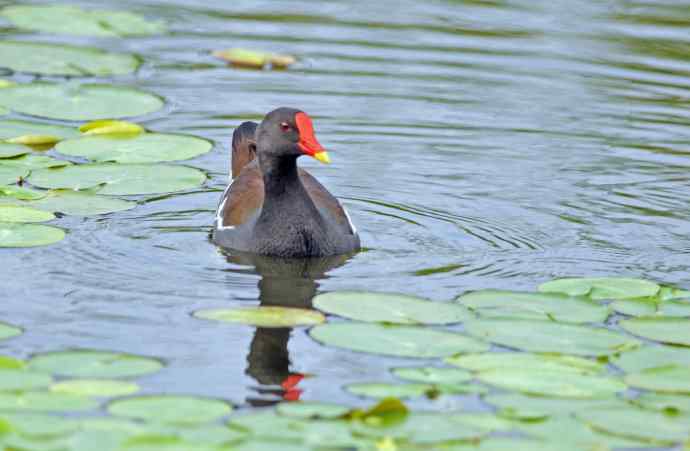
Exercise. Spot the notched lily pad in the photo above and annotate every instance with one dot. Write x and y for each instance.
(508, 361)
(432, 374)
(666, 330)
(651, 356)
(311, 410)
(94, 364)
(254, 59)
(600, 288)
(666, 379)
(21, 380)
(95, 387)
(15, 213)
(389, 308)
(142, 148)
(28, 235)
(170, 409)
(264, 316)
(40, 401)
(8, 150)
(34, 133)
(638, 424)
(79, 203)
(386, 390)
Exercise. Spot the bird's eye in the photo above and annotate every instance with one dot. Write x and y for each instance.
(284, 126)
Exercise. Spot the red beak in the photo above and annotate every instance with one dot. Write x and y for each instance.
(307, 140)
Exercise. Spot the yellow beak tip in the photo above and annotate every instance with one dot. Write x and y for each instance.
(322, 157)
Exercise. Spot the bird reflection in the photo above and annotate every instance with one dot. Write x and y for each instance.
(285, 283)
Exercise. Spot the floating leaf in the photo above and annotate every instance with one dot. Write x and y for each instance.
(387, 412)
(652, 307)
(66, 19)
(638, 424)
(517, 305)
(170, 409)
(10, 175)
(652, 357)
(32, 162)
(111, 127)
(432, 374)
(384, 390)
(508, 361)
(19, 380)
(668, 379)
(551, 337)
(667, 330)
(15, 213)
(254, 59)
(8, 150)
(402, 341)
(41, 425)
(566, 384)
(663, 402)
(264, 316)
(62, 59)
(121, 179)
(18, 193)
(525, 407)
(38, 401)
(94, 364)
(30, 133)
(80, 203)
(423, 428)
(6, 330)
(602, 287)
(389, 308)
(28, 235)
(95, 387)
(74, 102)
(144, 148)
(10, 363)
(311, 410)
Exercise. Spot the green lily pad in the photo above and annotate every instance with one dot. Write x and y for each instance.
(66, 19)
(517, 305)
(423, 428)
(121, 179)
(28, 235)
(254, 59)
(32, 162)
(8, 331)
(74, 102)
(111, 127)
(664, 402)
(311, 410)
(668, 379)
(95, 387)
(8, 150)
(19, 380)
(651, 307)
(389, 308)
(507, 361)
(666, 330)
(652, 357)
(11, 193)
(11, 175)
(432, 375)
(143, 148)
(385, 390)
(10, 363)
(524, 407)
(565, 384)
(41, 425)
(602, 287)
(94, 364)
(62, 59)
(264, 316)
(25, 132)
(638, 424)
(80, 203)
(15, 213)
(170, 409)
(39, 401)
(394, 340)
(551, 337)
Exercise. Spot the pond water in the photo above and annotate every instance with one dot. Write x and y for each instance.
(476, 144)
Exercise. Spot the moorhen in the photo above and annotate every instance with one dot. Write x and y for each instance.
(273, 208)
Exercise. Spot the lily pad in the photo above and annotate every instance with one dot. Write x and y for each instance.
(94, 364)
(637, 424)
(394, 340)
(652, 307)
(385, 390)
(28, 235)
(143, 148)
(602, 287)
(15, 213)
(8, 150)
(519, 305)
(39, 401)
(111, 127)
(311, 410)
(62, 59)
(66, 19)
(565, 384)
(667, 330)
(170, 409)
(652, 357)
(95, 387)
(524, 407)
(25, 132)
(10, 175)
(20, 380)
(664, 402)
(80, 203)
(10, 363)
(264, 316)
(551, 337)
(32, 162)
(389, 308)
(121, 179)
(75, 102)
(11, 193)
(667, 379)
(432, 374)
(254, 59)
(424, 428)
(41, 425)
(508, 361)
(8, 331)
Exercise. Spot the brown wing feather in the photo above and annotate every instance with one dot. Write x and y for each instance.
(245, 196)
(324, 200)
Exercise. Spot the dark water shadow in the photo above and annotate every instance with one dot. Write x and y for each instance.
(284, 283)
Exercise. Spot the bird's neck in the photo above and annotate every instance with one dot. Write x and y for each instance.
(280, 176)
